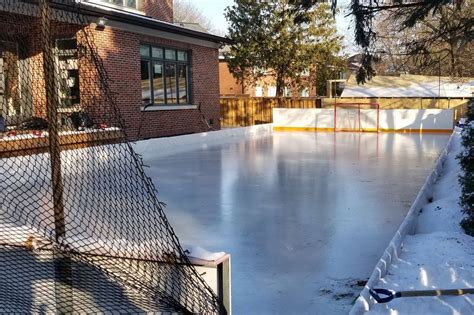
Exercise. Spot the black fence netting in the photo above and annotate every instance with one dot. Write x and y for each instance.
(81, 229)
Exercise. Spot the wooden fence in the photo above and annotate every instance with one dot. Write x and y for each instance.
(248, 111)
(240, 111)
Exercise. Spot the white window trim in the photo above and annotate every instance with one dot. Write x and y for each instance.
(153, 108)
(113, 6)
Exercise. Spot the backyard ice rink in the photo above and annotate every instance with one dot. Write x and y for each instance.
(304, 215)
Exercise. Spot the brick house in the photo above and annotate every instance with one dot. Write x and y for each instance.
(264, 87)
(164, 77)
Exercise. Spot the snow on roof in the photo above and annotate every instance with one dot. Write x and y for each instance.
(407, 85)
(192, 26)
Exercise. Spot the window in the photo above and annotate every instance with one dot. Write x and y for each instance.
(272, 91)
(165, 76)
(10, 81)
(68, 72)
(130, 4)
(304, 92)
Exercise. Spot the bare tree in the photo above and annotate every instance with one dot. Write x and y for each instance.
(186, 12)
(436, 44)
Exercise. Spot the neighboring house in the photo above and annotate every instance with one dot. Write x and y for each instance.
(411, 92)
(410, 86)
(354, 63)
(265, 87)
(163, 76)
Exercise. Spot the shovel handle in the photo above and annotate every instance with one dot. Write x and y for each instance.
(384, 295)
(436, 292)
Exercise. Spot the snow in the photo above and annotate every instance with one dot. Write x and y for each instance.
(44, 134)
(201, 253)
(409, 86)
(438, 256)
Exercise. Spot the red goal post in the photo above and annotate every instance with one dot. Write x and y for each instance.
(354, 117)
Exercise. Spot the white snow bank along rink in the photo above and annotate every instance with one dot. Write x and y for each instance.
(429, 251)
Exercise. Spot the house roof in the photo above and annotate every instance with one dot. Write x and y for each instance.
(115, 14)
(407, 85)
(192, 26)
(354, 62)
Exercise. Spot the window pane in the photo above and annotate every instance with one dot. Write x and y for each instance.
(116, 2)
(170, 54)
(271, 91)
(132, 4)
(68, 72)
(158, 84)
(146, 88)
(171, 97)
(145, 50)
(183, 84)
(157, 52)
(182, 56)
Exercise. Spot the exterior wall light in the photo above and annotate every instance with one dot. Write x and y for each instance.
(101, 23)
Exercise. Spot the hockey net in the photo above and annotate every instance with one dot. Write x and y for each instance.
(81, 228)
(357, 117)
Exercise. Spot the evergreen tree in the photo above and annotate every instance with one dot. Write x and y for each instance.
(466, 179)
(273, 37)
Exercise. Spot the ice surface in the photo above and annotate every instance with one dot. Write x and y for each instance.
(303, 215)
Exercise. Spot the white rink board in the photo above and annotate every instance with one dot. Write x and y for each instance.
(418, 119)
(389, 120)
(303, 117)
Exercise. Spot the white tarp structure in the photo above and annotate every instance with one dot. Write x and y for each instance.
(410, 86)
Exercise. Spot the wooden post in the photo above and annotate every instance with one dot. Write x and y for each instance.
(62, 262)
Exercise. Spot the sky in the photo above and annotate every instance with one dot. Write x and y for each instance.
(214, 10)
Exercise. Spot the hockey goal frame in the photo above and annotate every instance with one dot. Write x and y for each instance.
(358, 107)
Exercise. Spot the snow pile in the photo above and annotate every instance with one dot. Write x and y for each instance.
(438, 256)
(201, 253)
(45, 134)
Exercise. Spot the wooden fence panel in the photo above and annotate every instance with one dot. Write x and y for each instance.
(240, 111)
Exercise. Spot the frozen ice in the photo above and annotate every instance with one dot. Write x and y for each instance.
(304, 215)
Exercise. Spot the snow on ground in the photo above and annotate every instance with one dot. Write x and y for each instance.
(439, 256)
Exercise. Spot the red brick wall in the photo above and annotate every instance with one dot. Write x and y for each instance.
(228, 85)
(120, 51)
(159, 9)
(121, 55)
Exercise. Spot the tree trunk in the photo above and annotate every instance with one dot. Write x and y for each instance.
(280, 85)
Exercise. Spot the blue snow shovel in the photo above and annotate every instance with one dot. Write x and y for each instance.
(384, 295)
